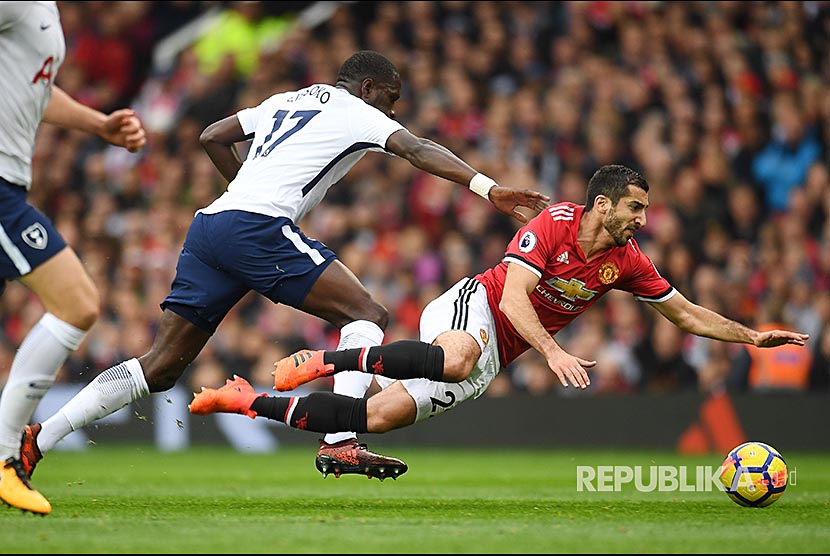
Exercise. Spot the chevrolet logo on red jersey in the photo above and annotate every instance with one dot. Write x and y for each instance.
(571, 290)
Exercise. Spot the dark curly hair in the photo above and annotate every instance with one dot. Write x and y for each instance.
(368, 64)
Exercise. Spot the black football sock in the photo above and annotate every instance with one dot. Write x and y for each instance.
(318, 412)
(399, 360)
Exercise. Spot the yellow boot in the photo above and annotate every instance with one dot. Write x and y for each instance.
(16, 491)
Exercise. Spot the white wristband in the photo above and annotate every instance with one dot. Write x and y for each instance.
(482, 185)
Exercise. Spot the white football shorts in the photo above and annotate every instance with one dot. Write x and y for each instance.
(463, 307)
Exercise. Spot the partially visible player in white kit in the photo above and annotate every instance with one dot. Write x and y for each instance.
(303, 143)
(31, 249)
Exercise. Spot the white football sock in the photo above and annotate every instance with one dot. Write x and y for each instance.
(357, 334)
(40, 357)
(107, 393)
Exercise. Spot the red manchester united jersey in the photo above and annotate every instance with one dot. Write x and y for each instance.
(568, 283)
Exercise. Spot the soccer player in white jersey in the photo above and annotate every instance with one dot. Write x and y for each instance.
(303, 143)
(31, 249)
(553, 270)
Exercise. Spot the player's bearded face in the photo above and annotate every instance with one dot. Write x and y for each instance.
(618, 228)
(627, 216)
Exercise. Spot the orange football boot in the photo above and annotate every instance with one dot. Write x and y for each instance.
(16, 491)
(236, 396)
(300, 368)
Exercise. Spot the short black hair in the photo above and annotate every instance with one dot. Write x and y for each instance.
(368, 64)
(612, 181)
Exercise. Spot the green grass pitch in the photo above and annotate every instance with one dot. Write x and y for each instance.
(134, 499)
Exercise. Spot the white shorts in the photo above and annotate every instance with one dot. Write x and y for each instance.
(463, 307)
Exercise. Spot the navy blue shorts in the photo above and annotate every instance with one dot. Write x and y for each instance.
(228, 254)
(27, 237)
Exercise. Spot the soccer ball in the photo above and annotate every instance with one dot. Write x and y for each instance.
(754, 474)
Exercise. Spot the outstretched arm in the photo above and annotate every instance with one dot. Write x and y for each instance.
(219, 141)
(438, 160)
(121, 128)
(701, 321)
(516, 306)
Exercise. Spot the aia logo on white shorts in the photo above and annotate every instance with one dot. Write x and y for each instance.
(35, 236)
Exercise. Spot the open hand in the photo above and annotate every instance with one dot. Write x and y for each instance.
(773, 338)
(568, 367)
(507, 199)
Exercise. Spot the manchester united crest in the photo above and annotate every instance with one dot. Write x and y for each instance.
(609, 272)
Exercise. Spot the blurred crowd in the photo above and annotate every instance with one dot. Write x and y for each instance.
(724, 107)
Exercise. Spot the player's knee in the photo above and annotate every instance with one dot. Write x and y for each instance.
(85, 312)
(390, 419)
(368, 309)
(79, 307)
(376, 313)
(378, 424)
(456, 368)
(391, 409)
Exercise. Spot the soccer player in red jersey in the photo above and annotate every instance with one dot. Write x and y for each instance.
(554, 269)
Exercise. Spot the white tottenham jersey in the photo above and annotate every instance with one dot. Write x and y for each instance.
(304, 141)
(32, 49)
